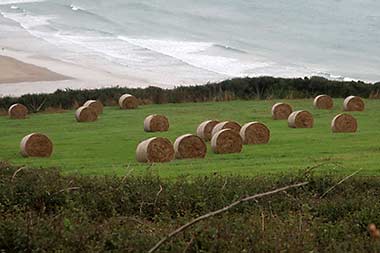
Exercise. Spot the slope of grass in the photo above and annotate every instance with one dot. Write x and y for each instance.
(108, 145)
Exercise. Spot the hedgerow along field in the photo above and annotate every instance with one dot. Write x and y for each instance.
(108, 145)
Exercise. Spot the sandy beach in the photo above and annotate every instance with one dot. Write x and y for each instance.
(15, 71)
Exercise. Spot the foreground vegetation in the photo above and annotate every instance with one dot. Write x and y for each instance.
(108, 145)
(41, 210)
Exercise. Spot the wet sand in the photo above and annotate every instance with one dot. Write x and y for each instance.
(15, 71)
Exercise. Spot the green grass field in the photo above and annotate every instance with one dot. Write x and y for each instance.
(108, 145)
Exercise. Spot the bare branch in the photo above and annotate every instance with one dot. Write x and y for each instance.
(340, 182)
(224, 209)
(157, 195)
(16, 172)
(66, 189)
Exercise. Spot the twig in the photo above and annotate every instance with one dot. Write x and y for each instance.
(66, 189)
(157, 195)
(128, 173)
(224, 209)
(188, 245)
(308, 170)
(340, 182)
(42, 104)
(225, 184)
(16, 172)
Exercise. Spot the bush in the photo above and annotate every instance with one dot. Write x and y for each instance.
(41, 210)
(238, 88)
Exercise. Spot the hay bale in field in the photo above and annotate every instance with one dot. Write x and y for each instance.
(96, 105)
(204, 130)
(128, 101)
(281, 111)
(353, 103)
(226, 141)
(301, 119)
(86, 114)
(189, 146)
(36, 145)
(323, 102)
(234, 126)
(155, 150)
(156, 123)
(18, 111)
(255, 133)
(344, 123)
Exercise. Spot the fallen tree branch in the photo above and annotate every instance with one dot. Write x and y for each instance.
(224, 209)
(340, 182)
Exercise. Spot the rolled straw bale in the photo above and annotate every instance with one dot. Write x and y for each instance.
(226, 141)
(189, 146)
(128, 101)
(301, 119)
(155, 150)
(96, 105)
(86, 114)
(255, 133)
(18, 111)
(353, 103)
(156, 123)
(204, 130)
(234, 126)
(281, 111)
(36, 145)
(323, 102)
(344, 123)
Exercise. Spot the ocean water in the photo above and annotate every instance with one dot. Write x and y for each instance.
(194, 41)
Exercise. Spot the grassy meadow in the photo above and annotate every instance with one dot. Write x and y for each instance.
(108, 145)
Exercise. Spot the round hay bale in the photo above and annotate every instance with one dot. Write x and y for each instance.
(156, 123)
(18, 111)
(255, 133)
(86, 114)
(189, 146)
(281, 111)
(128, 101)
(344, 123)
(323, 102)
(155, 150)
(226, 141)
(96, 105)
(353, 103)
(36, 145)
(234, 126)
(301, 119)
(204, 130)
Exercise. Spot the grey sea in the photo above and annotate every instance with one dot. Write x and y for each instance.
(182, 42)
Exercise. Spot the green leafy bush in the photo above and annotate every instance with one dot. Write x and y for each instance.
(238, 88)
(41, 210)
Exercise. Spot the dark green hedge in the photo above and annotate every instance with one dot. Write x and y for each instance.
(43, 211)
(239, 88)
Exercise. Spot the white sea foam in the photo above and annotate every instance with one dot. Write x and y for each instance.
(75, 8)
(6, 2)
(194, 53)
(28, 21)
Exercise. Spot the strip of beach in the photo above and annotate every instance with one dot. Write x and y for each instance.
(15, 71)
